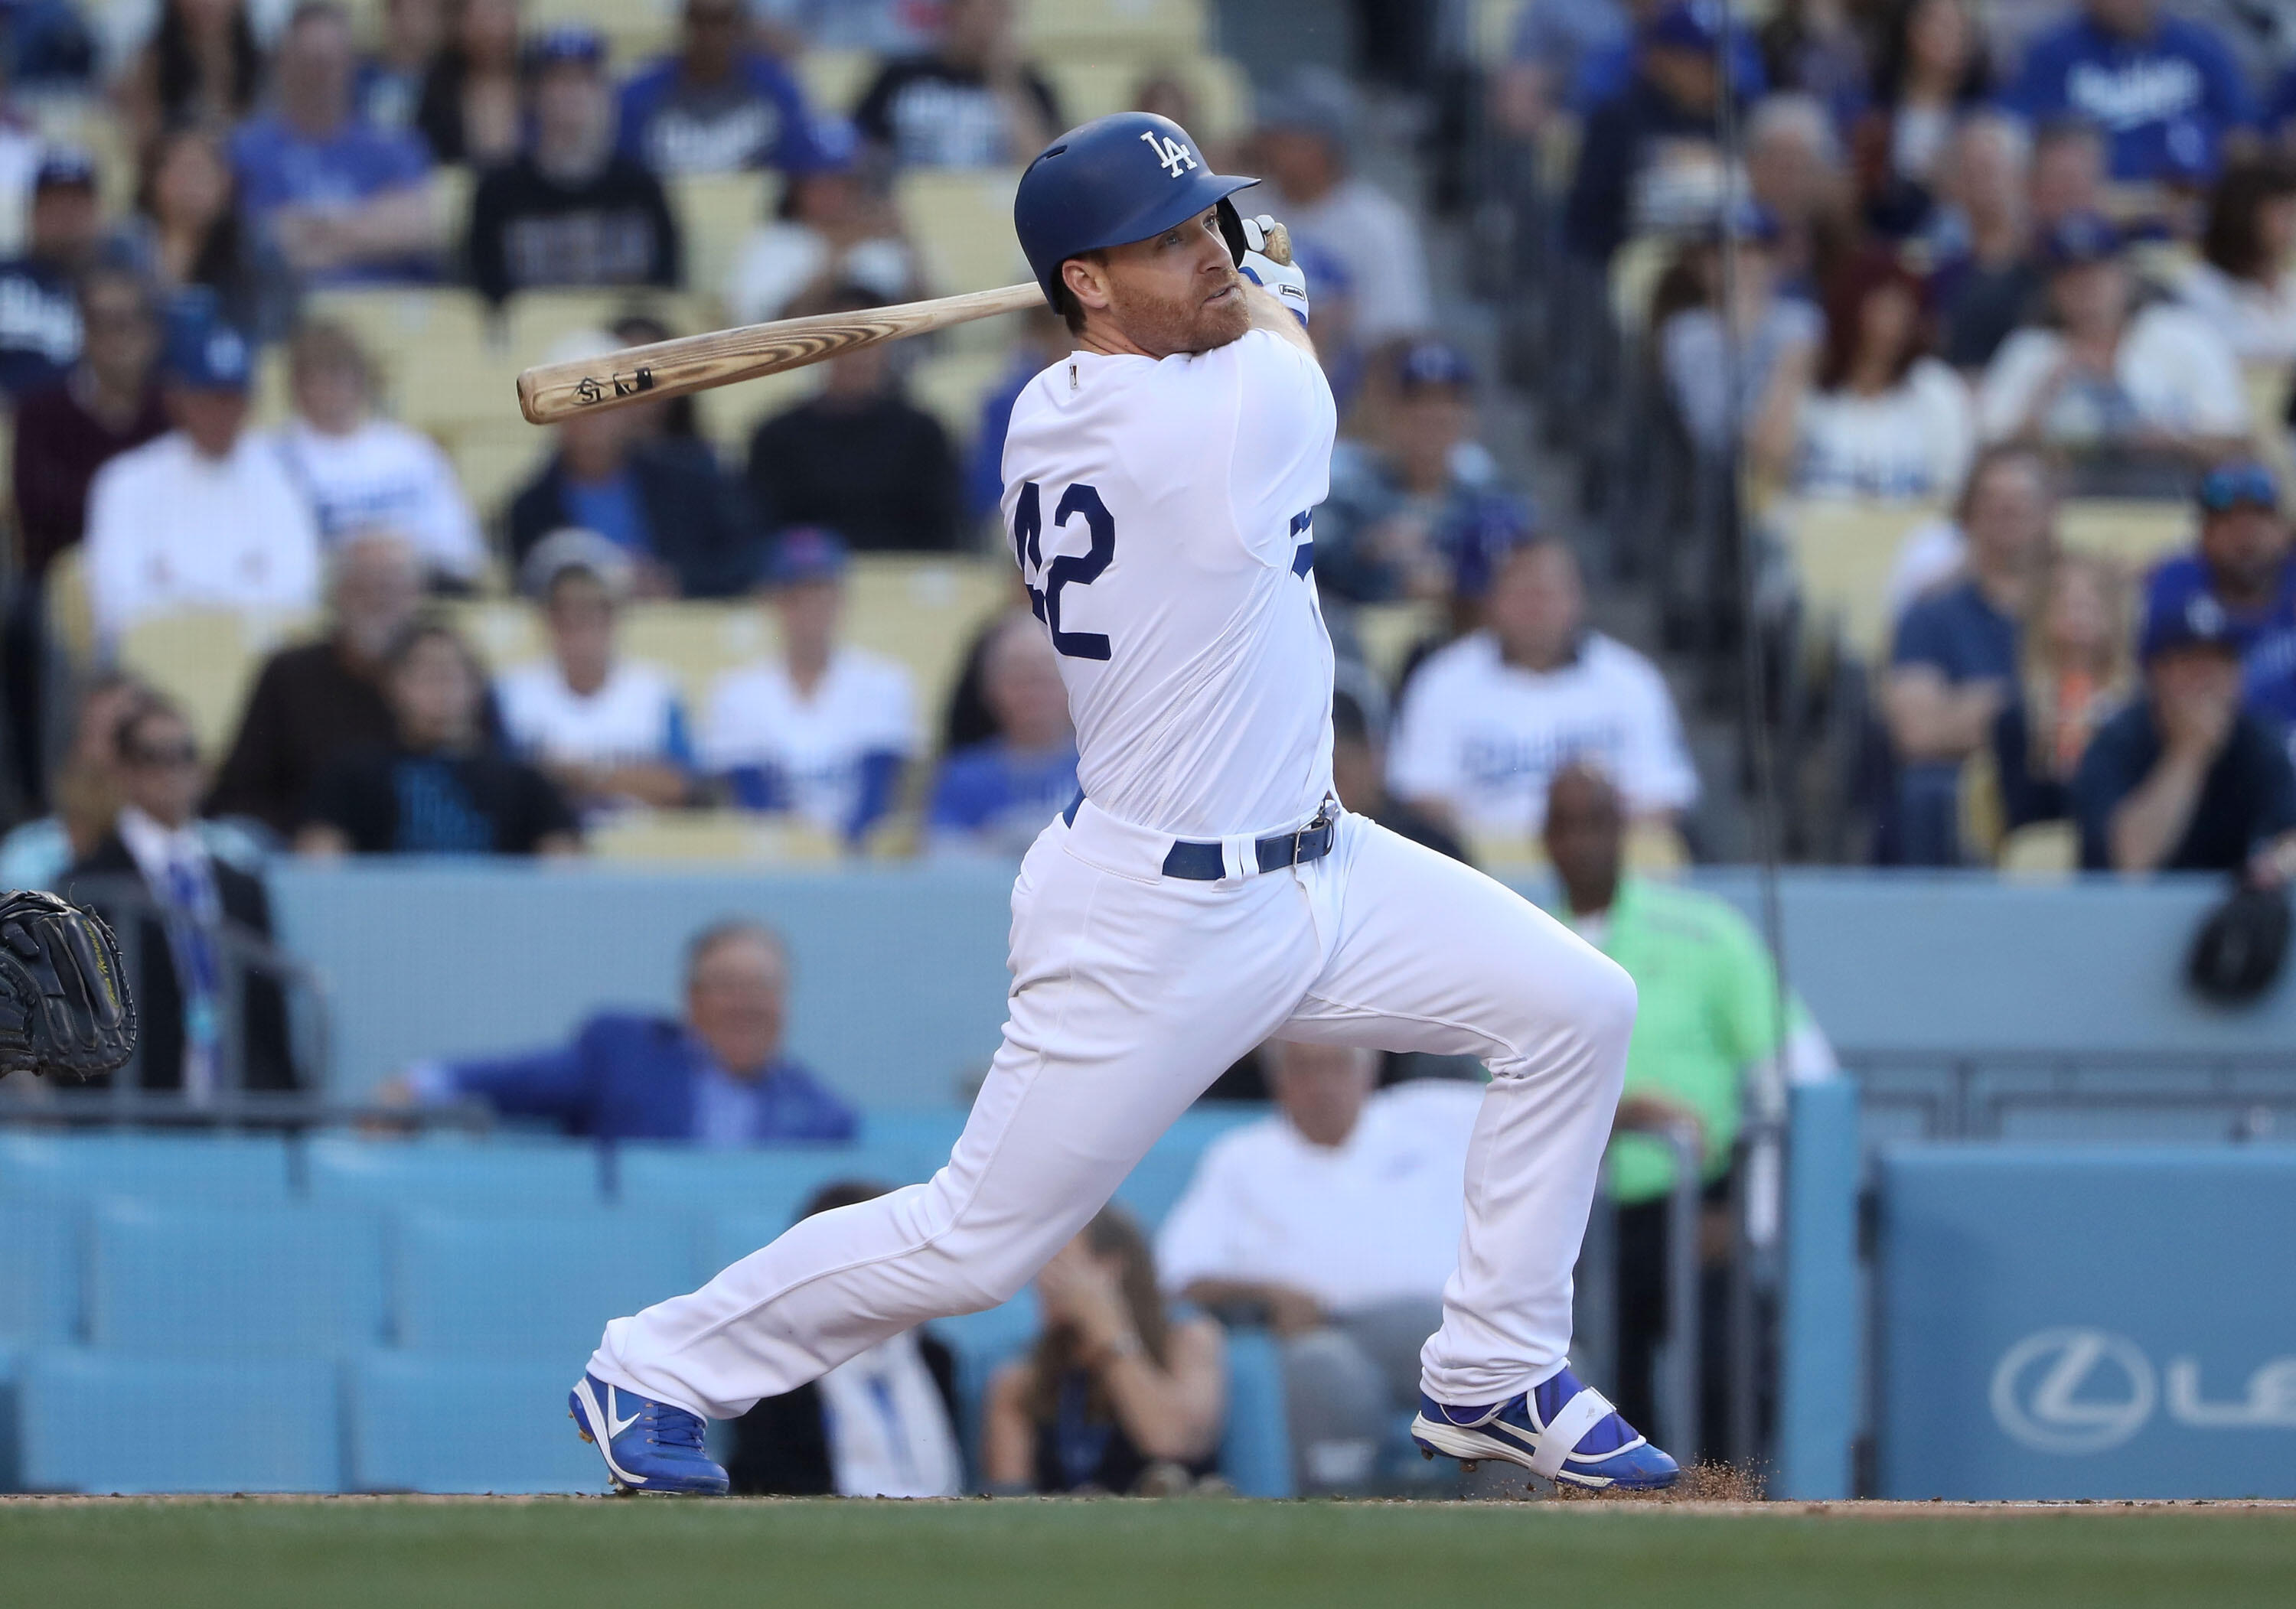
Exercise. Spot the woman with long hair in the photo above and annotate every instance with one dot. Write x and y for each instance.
(1118, 1394)
(471, 109)
(188, 232)
(2245, 283)
(201, 65)
(2075, 670)
(1929, 70)
(1885, 421)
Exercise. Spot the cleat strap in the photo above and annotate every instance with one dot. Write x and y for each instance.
(1579, 1416)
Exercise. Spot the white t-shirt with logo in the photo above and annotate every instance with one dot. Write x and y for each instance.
(2171, 369)
(812, 747)
(635, 716)
(1486, 736)
(1911, 443)
(385, 477)
(170, 529)
(1374, 1219)
(1159, 510)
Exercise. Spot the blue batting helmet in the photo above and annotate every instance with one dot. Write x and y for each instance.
(1113, 181)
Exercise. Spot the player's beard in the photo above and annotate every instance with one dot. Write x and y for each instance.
(1166, 325)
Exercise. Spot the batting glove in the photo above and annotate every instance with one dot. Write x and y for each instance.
(1267, 264)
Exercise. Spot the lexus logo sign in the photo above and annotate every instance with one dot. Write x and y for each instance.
(2073, 1390)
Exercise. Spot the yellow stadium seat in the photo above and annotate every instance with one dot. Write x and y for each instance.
(835, 80)
(505, 631)
(64, 601)
(1842, 553)
(924, 612)
(636, 30)
(712, 835)
(440, 357)
(537, 321)
(1653, 849)
(950, 385)
(2042, 851)
(715, 212)
(1093, 86)
(205, 660)
(962, 221)
(1389, 632)
(2267, 386)
(492, 463)
(696, 641)
(1137, 28)
(2137, 533)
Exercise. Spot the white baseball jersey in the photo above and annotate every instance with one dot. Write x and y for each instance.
(813, 747)
(635, 716)
(1487, 737)
(1159, 511)
(383, 477)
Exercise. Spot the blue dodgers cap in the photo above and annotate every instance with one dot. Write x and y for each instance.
(1111, 181)
(2243, 482)
(1693, 25)
(806, 553)
(2080, 238)
(1425, 363)
(2200, 621)
(205, 354)
(1496, 526)
(574, 42)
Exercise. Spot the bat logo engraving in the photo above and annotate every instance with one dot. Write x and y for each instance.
(587, 390)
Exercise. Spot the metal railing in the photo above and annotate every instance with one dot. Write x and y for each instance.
(1971, 1094)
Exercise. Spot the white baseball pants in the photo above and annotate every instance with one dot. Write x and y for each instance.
(1131, 992)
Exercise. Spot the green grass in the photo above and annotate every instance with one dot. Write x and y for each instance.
(635, 1554)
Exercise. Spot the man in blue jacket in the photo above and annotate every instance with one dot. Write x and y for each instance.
(716, 106)
(2165, 91)
(719, 1078)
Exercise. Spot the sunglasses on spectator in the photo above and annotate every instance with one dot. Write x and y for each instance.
(2238, 486)
(181, 753)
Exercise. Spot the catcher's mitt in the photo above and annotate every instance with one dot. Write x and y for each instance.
(63, 997)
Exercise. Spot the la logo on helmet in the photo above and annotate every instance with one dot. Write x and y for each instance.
(1169, 151)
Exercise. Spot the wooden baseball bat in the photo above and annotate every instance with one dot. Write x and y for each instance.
(550, 392)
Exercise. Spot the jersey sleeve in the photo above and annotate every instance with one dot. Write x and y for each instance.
(1285, 424)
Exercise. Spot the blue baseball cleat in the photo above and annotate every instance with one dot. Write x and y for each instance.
(1563, 1430)
(649, 1447)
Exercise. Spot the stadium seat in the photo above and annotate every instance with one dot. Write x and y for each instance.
(93, 1422)
(39, 1272)
(698, 642)
(207, 660)
(962, 221)
(925, 612)
(530, 1286)
(453, 1171)
(1256, 1451)
(178, 1280)
(1148, 30)
(511, 1432)
(536, 320)
(1093, 87)
(950, 385)
(64, 605)
(835, 80)
(715, 212)
(1842, 553)
(1389, 632)
(2137, 532)
(240, 1169)
(656, 837)
(767, 1185)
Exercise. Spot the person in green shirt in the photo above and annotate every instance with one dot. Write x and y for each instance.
(1707, 1028)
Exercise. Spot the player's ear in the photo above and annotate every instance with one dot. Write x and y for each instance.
(1087, 282)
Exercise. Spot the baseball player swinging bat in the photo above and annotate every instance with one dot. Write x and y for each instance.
(1204, 892)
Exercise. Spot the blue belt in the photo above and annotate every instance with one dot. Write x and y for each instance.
(1201, 862)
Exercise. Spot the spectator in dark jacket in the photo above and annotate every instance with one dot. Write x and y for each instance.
(720, 1077)
(39, 315)
(685, 523)
(313, 702)
(1663, 116)
(200, 897)
(105, 404)
(972, 101)
(570, 210)
(469, 106)
(881, 1425)
(860, 458)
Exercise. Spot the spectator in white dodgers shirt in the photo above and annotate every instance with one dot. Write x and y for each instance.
(1335, 1224)
(1487, 722)
(363, 473)
(823, 729)
(607, 730)
(204, 516)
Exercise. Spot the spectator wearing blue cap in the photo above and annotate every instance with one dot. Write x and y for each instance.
(719, 105)
(823, 731)
(2242, 561)
(662, 499)
(39, 308)
(2167, 91)
(859, 457)
(993, 798)
(1305, 144)
(969, 102)
(2132, 391)
(1649, 151)
(830, 227)
(342, 202)
(571, 210)
(2185, 780)
(205, 517)
(1403, 502)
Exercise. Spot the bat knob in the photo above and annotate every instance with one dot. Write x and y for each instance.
(1278, 244)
